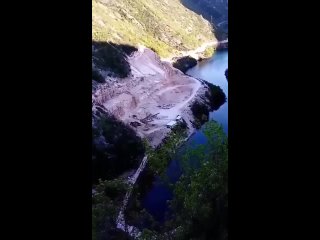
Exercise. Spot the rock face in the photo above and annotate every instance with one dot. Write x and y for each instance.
(214, 98)
(215, 11)
(184, 63)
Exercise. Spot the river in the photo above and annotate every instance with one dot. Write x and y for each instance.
(211, 70)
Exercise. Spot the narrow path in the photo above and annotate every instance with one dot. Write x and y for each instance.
(121, 223)
(219, 24)
(193, 53)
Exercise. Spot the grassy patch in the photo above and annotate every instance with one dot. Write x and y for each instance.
(160, 157)
(165, 26)
(208, 52)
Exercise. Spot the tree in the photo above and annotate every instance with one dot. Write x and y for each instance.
(201, 193)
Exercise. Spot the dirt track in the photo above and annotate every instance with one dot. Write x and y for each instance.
(153, 96)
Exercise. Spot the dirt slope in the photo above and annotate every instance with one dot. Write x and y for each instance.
(152, 96)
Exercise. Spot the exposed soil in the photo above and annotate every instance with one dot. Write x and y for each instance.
(152, 96)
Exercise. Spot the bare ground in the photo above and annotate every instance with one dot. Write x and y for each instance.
(152, 96)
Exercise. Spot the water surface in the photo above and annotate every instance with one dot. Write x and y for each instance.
(213, 71)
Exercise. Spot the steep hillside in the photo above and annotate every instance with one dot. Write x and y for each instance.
(164, 26)
(215, 11)
(139, 96)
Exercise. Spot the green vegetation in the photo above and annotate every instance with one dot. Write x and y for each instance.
(208, 52)
(201, 194)
(147, 235)
(112, 57)
(106, 202)
(200, 202)
(115, 148)
(165, 26)
(160, 158)
(137, 216)
(215, 11)
(158, 161)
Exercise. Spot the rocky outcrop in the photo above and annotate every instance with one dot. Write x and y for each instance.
(215, 11)
(216, 96)
(184, 63)
(201, 107)
(200, 112)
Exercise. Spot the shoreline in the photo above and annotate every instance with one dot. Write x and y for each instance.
(193, 53)
(189, 61)
(121, 221)
(185, 111)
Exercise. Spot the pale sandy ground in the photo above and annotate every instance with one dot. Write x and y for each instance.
(154, 89)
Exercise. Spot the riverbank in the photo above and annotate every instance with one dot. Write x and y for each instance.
(155, 197)
(154, 94)
(143, 208)
(150, 208)
(186, 62)
(157, 162)
(196, 53)
(158, 159)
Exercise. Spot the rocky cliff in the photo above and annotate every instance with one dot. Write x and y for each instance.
(215, 11)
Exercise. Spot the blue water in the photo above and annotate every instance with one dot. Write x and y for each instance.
(211, 70)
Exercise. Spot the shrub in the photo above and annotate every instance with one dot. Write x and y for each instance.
(115, 148)
(208, 52)
(113, 57)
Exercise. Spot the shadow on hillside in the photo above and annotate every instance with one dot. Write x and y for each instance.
(111, 57)
(115, 147)
(209, 13)
(185, 63)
